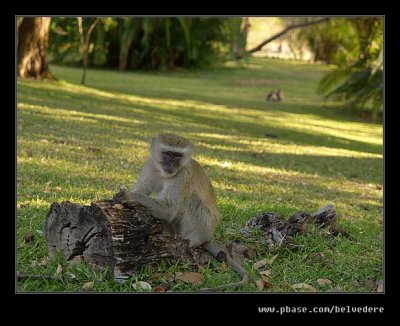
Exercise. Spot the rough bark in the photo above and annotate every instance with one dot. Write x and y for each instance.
(277, 232)
(107, 234)
(33, 34)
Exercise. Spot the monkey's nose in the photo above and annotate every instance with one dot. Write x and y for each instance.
(169, 170)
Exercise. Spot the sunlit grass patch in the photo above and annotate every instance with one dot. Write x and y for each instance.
(79, 143)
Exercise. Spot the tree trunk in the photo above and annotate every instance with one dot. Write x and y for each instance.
(245, 30)
(107, 234)
(33, 34)
(85, 65)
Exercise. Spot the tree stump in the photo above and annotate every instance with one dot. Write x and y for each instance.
(122, 238)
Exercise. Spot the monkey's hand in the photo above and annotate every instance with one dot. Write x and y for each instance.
(124, 197)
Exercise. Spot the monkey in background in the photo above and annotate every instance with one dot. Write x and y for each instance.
(275, 96)
(185, 197)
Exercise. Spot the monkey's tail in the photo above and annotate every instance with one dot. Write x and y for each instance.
(220, 255)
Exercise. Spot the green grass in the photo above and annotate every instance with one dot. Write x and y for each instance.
(320, 157)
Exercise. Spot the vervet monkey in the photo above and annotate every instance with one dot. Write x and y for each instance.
(275, 96)
(271, 96)
(279, 95)
(185, 197)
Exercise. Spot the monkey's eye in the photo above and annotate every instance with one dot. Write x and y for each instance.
(173, 154)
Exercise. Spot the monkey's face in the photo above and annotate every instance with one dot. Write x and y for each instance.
(171, 162)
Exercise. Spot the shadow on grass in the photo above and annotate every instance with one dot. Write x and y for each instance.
(184, 117)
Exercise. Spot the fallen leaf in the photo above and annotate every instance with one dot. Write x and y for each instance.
(44, 262)
(224, 266)
(263, 283)
(24, 205)
(44, 141)
(380, 287)
(324, 281)
(240, 252)
(48, 183)
(28, 237)
(267, 282)
(141, 286)
(285, 283)
(88, 286)
(304, 286)
(163, 287)
(370, 284)
(260, 263)
(260, 284)
(268, 272)
(58, 271)
(158, 276)
(190, 277)
(75, 261)
(34, 263)
(271, 260)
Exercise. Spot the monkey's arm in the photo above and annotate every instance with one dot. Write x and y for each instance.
(146, 183)
(158, 208)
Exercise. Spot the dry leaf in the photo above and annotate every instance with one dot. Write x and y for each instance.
(224, 266)
(44, 141)
(380, 287)
(158, 276)
(48, 183)
(163, 287)
(88, 286)
(58, 271)
(263, 283)
(267, 282)
(268, 272)
(28, 237)
(285, 283)
(324, 281)
(141, 286)
(271, 260)
(75, 261)
(260, 284)
(304, 286)
(44, 262)
(239, 252)
(260, 263)
(190, 277)
(34, 263)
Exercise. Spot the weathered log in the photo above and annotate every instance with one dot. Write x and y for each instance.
(108, 234)
(277, 231)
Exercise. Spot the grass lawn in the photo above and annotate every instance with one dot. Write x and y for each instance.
(79, 143)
